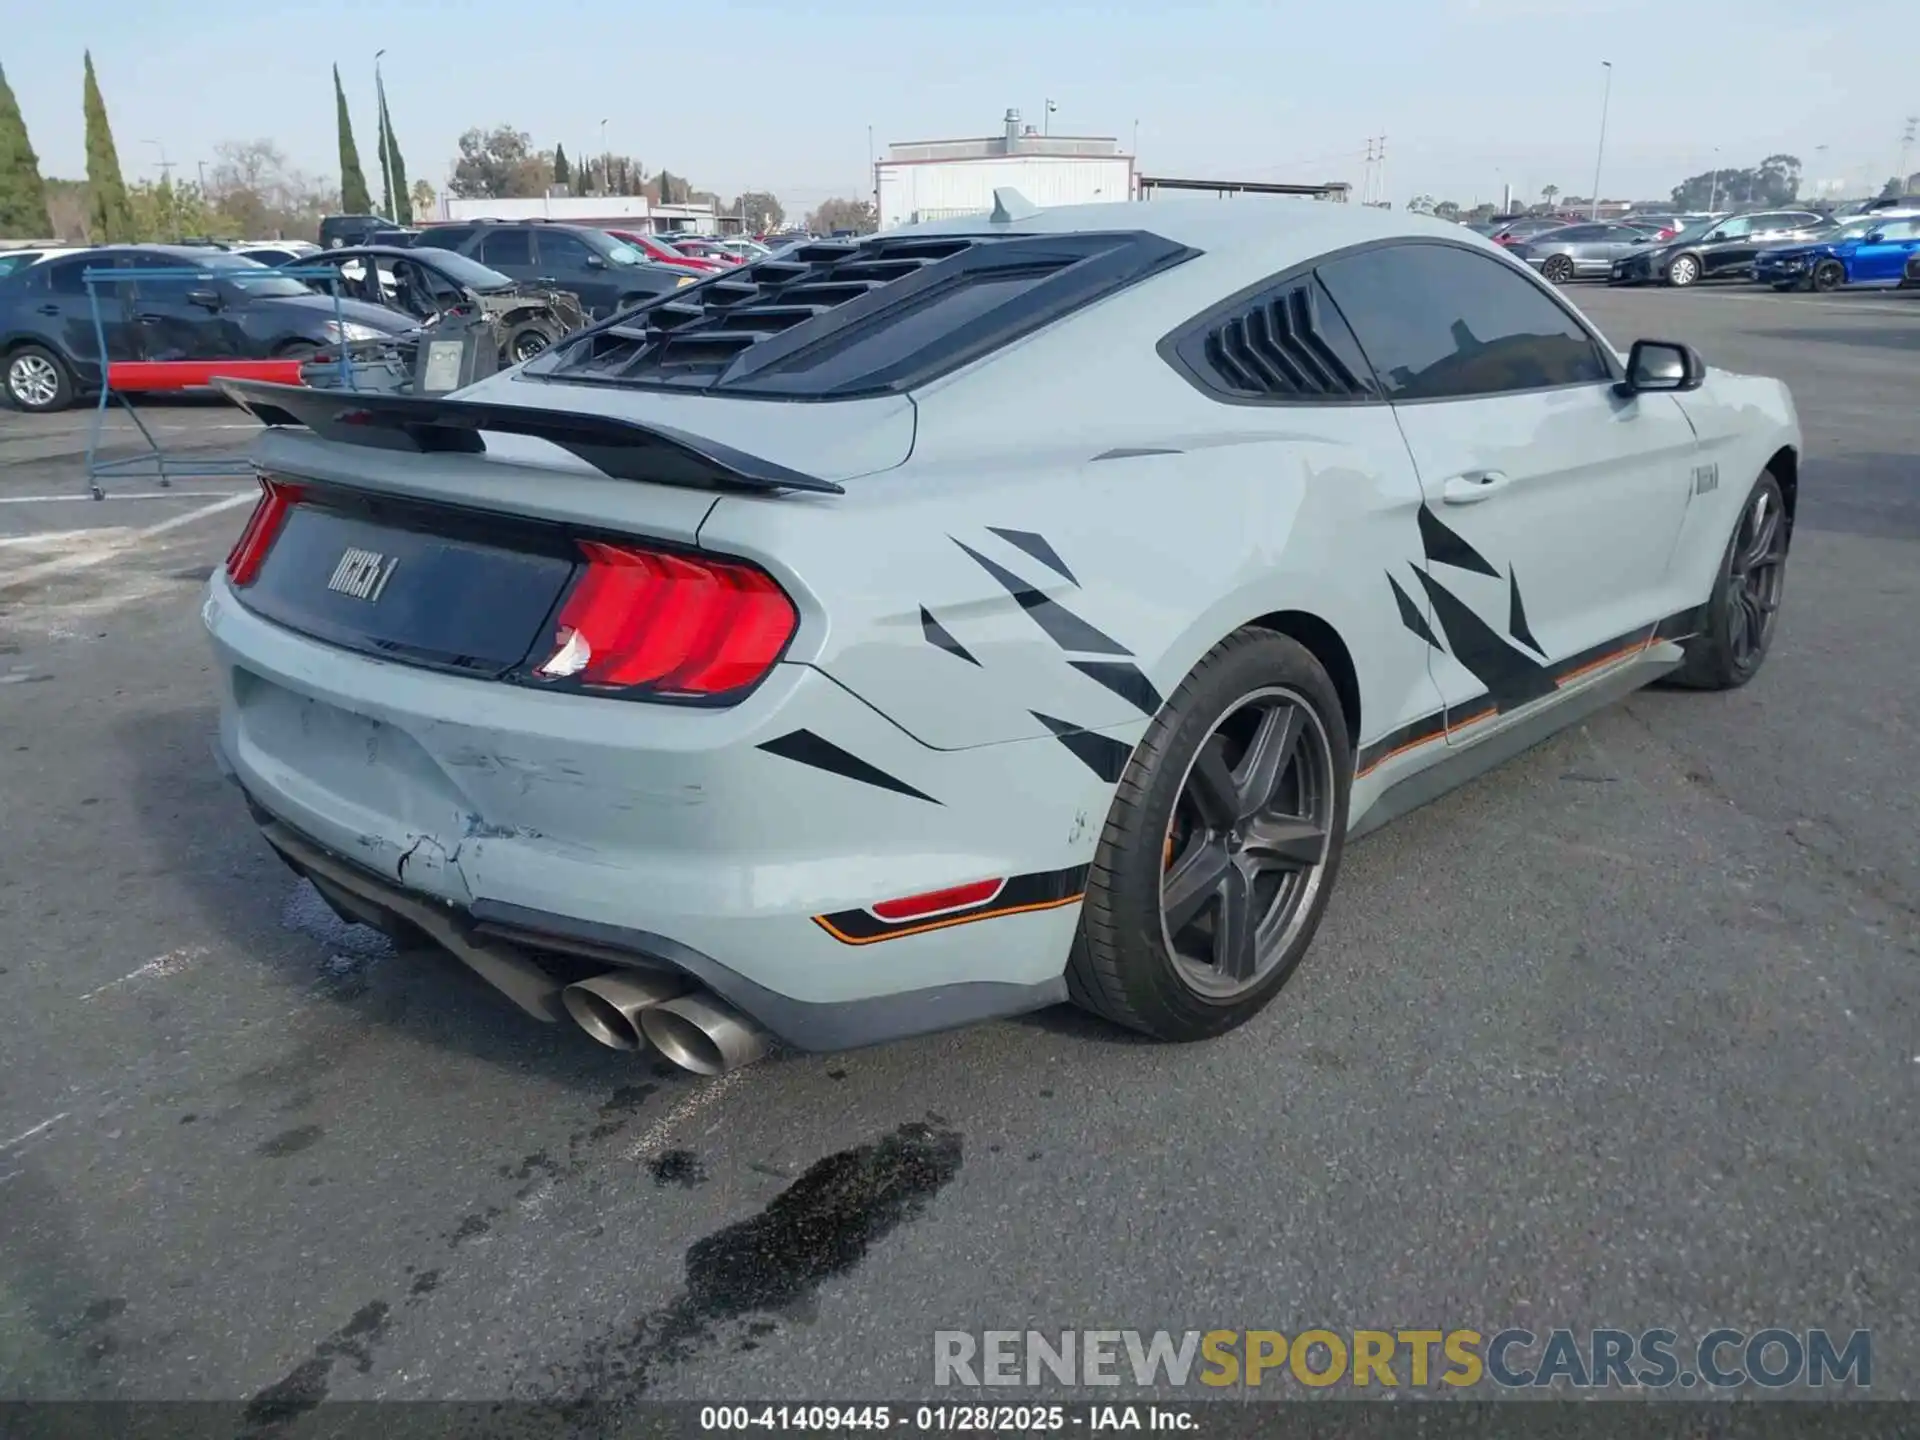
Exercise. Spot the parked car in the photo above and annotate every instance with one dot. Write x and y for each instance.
(1526, 229)
(1866, 250)
(275, 252)
(607, 275)
(1719, 249)
(662, 251)
(431, 284)
(223, 307)
(341, 230)
(1579, 251)
(705, 247)
(1020, 748)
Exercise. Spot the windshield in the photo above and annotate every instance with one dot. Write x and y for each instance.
(461, 270)
(1694, 231)
(668, 249)
(250, 277)
(614, 252)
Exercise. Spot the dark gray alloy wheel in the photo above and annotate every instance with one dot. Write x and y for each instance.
(1558, 269)
(1745, 605)
(1829, 275)
(1222, 845)
(1247, 843)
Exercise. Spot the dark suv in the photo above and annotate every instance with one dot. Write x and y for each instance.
(607, 275)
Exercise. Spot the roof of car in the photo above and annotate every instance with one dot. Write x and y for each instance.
(1247, 222)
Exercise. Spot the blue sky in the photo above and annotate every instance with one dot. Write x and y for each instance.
(1470, 93)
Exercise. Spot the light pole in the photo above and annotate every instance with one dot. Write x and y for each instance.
(166, 178)
(387, 207)
(1605, 97)
(606, 164)
(1713, 189)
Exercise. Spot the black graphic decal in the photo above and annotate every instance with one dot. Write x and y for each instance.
(1511, 676)
(1038, 548)
(1411, 617)
(1517, 617)
(1124, 679)
(1443, 547)
(1066, 629)
(1046, 890)
(1406, 737)
(1133, 452)
(1102, 754)
(938, 634)
(806, 748)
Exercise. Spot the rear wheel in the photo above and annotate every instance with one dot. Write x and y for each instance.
(526, 341)
(1738, 630)
(1829, 275)
(1684, 271)
(1222, 845)
(1558, 269)
(297, 350)
(37, 381)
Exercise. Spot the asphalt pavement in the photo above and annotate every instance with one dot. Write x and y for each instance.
(1623, 1034)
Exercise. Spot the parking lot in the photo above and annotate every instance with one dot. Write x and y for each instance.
(1623, 1034)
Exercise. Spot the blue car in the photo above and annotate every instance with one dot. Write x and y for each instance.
(1867, 250)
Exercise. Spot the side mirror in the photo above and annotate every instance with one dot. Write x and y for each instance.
(1873, 237)
(1641, 240)
(596, 262)
(1661, 365)
(205, 299)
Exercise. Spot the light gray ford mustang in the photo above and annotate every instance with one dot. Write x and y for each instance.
(903, 631)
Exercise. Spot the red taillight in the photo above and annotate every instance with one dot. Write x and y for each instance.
(671, 624)
(277, 498)
(938, 902)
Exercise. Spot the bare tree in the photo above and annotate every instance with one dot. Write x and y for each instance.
(840, 214)
(499, 164)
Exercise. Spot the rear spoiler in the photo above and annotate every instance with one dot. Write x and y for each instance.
(621, 449)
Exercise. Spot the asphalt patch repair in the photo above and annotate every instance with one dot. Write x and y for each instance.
(820, 1226)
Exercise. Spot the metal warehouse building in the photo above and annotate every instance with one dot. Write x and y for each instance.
(937, 179)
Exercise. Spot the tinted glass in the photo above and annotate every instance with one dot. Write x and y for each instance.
(447, 237)
(1441, 322)
(68, 277)
(561, 251)
(167, 288)
(507, 247)
(1582, 232)
(461, 270)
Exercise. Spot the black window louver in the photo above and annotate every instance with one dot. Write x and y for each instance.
(839, 319)
(1290, 344)
(694, 334)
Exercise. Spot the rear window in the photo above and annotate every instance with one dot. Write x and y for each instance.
(840, 319)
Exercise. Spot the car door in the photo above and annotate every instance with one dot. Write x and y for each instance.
(1884, 259)
(508, 249)
(65, 310)
(168, 323)
(1618, 243)
(1729, 246)
(566, 263)
(1551, 504)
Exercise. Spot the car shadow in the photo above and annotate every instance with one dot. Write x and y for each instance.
(210, 849)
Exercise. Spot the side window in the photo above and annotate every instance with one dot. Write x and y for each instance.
(448, 237)
(506, 247)
(68, 277)
(1581, 232)
(1737, 228)
(1290, 344)
(1440, 322)
(1900, 229)
(164, 289)
(560, 251)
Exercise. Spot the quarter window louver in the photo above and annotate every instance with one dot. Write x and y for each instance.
(1290, 344)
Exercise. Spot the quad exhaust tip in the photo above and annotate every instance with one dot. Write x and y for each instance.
(699, 1033)
(625, 1010)
(610, 1007)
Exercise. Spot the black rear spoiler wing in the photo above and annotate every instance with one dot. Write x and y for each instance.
(621, 449)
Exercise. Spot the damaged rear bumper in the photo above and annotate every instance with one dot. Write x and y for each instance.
(529, 955)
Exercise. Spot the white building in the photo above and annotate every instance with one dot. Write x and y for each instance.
(619, 212)
(938, 179)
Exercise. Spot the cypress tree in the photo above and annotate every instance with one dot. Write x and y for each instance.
(109, 215)
(23, 195)
(354, 199)
(402, 201)
(561, 174)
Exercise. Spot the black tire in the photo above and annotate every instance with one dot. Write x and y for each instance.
(1685, 270)
(1829, 275)
(1557, 270)
(530, 337)
(37, 380)
(1716, 658)
(1123, 966)
(297, 350)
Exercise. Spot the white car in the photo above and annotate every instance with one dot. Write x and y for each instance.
(904, 631)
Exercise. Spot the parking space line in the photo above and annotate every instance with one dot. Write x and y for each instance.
(171, 963)
(26, 1135)
(137, 495)
(112, 549)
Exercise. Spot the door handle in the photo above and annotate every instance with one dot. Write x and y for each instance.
(1472, 488)
(149, 318)
(50, 310)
